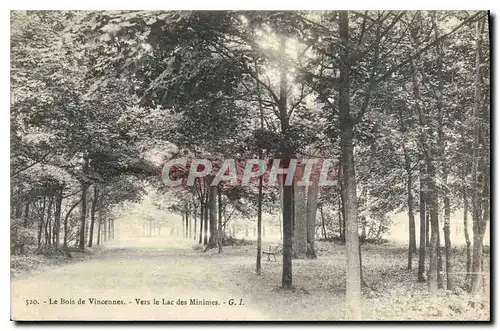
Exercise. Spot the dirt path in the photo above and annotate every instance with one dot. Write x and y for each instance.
(138, 273)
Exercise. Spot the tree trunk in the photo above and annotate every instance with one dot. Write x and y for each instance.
(450, 281)
(311, 209)
(57, 217)
(478, 221)
(48, 222)
(212, 242)
(287, 212)
(219, 223)
(340, 217)
(427, 225)
(40, 226)
(99, 221)
(195, 216)
(423, 231)
(433, 260)
(342, 202)
(353, 270)
(190, 225)
(300, 227)
(83, 214)
(412, 244)
(186, 233)
(439, 261)
(442, 154)
(92, 214)
(466, 234)
(280, 215)
(205, 222)
(202, 213)
(66, 218)
(286, 279)
(258, 266)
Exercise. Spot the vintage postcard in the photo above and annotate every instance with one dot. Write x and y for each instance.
(250, 165)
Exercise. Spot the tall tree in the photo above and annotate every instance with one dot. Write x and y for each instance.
(480, 167)
(346, 125)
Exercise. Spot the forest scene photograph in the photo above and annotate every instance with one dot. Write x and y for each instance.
(244, 165)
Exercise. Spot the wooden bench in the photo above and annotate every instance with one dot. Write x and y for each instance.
(272, 251)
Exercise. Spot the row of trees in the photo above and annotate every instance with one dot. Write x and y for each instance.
(400, 99)
(71, 150)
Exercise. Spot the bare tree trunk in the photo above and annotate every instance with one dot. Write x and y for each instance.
(92, 214)
(99, 221)
(340, 217)
(412, 242)
(439, 261)
(342, 202)
(280, 192)
(286, 281)
(478, 227)
(433, 261)
(84, 201)
(427, 225)
(205, 222)
(450, 280)
(300, 228)
(258, 266)
(186, 232)
(66, 218)
(40, 226)
(423, 231)
(202, 213)
(466, 234)
(57, 217)
(189, 227)
(219, 223)
(353, 270)
(48, 221)
(311, 209)
(212, 242)
(195, 216)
